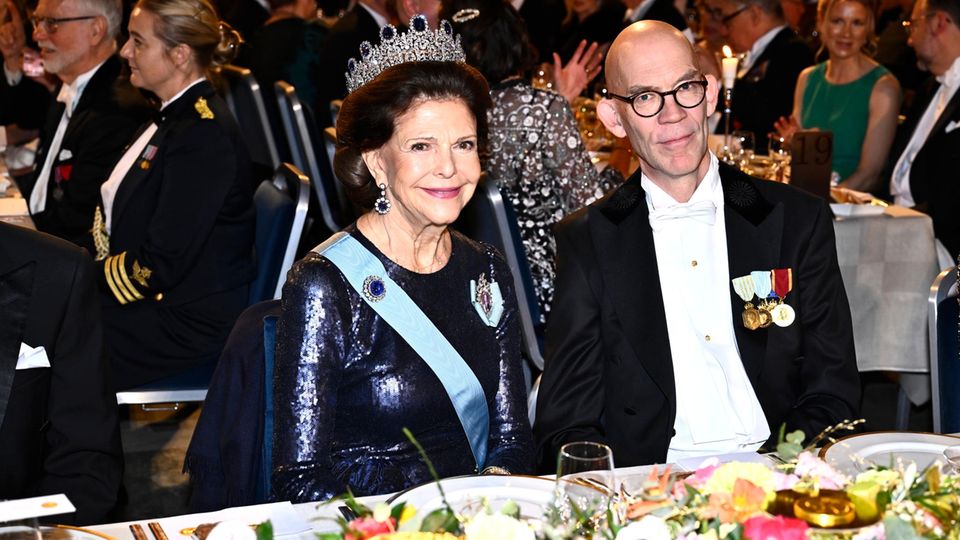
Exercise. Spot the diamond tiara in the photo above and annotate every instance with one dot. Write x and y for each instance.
(419, 44)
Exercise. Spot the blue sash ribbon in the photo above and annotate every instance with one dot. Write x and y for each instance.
(400, 311)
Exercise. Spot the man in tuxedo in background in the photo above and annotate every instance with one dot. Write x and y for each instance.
(656, 10)
(927, 148)
(58, 416)
(95, 115)
(768, 74)
(645, 348)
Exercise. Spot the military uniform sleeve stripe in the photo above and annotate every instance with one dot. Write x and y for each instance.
(125, 279)
(111, 282)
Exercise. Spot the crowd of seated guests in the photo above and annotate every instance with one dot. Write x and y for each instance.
(141, 163)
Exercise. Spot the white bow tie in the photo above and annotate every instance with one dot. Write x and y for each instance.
(67, 96)
(702, 211)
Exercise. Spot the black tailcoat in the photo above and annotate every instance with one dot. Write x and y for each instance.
(58, 425)
(609, 375)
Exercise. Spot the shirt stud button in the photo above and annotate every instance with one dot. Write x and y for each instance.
(694, 263)
(707, 337)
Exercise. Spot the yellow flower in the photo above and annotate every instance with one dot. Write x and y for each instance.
(886, 478)
(725, 477)
(409, 512)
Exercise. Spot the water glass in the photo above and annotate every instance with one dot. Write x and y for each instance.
(745, 142)
(585, 480)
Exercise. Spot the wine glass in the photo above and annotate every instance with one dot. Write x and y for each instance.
(20, 529)
(779, 152)
(744, 141)
(585, 482)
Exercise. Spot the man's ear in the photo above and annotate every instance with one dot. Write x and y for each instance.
(713, 93)
(98, 30)
(610, 117)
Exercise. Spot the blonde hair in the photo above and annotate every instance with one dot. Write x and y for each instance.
(870, 46)
(195, 23)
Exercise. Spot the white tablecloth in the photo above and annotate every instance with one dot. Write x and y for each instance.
(888, 264)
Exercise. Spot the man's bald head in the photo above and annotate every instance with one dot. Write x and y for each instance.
(643, 39)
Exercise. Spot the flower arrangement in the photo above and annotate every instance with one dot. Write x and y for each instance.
(804, 497)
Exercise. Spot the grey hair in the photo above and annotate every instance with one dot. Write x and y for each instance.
(769, 6)
(111, 10)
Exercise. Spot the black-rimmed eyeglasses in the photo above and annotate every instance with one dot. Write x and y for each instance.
(649, 103)
(717, 14)
(50, 25)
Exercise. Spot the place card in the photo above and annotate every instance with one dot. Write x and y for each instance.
(48, 505)
(811, 162)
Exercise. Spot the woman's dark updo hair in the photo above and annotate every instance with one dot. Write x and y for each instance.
(495, 40)
(368, 115)
(195, 23)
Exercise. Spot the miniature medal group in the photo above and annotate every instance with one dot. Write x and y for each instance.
(771, 288)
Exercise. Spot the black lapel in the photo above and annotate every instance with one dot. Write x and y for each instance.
(782, 36)
(945, 117)
(754, 230)
(98, 88)
(629, 261)
(46, 137)
(16, 287)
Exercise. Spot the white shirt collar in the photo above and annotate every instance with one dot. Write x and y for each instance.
(517, 4)
(951, 78)
(182, 92)
(759, 46)
(634, 14)
(380, 19)
(70, 92)
(708, 190)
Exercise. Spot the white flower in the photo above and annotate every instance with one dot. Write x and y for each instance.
(648, 528)
(497, 527)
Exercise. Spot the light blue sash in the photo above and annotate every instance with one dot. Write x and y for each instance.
(402, 314)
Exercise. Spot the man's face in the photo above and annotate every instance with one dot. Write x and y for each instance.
(64, 46)
(673, 142)
(736, 20)
(921, 36)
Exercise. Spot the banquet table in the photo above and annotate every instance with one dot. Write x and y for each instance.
(13, 208)
(888, 262)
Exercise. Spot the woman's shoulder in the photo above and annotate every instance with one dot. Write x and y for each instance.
(479, 253)
(315, 274)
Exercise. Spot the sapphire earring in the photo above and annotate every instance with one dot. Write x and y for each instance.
(382, 204)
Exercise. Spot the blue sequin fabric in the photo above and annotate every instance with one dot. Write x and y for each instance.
(346, 383)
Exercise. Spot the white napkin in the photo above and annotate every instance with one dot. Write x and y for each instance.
(32, 357)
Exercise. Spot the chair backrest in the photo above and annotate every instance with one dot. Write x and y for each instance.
(489, 218)
(942, 316)
(281, 209)
(245, 100)
(304, 143)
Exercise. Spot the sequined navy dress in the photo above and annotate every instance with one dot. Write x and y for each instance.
(346, 383)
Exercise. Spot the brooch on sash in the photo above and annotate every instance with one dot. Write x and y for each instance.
(374, 289)
(771, 288)
(204, 109)
(487, 300)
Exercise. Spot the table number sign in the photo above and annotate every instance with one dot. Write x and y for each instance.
(811, 162)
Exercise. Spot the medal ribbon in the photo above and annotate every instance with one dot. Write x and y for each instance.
(761, 282)
(745, 288)
(782, 281)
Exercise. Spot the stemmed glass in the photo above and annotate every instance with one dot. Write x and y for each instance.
(744, 141)
(779, 152)
(19, 529)
(585, 483)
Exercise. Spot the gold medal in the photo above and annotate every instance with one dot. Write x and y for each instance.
(751, 317)
(765, 318)
(783, 315)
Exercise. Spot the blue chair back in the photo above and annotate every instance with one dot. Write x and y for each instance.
(245, 100)
(490, 218)
(281, 206)
(943, 320)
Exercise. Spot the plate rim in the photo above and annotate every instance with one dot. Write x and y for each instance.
(81, 529)
(822, 454)
(393, 498)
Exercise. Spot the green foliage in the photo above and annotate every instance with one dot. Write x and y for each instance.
(441, 520)
(265, 531)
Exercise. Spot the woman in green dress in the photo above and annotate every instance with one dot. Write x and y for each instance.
(850, 94)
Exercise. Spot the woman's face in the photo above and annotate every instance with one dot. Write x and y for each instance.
(431, 165)
(151, 63)
(845, 29)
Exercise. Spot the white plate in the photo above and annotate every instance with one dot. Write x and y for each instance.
(855, 453)
(856, 210)
(466, 493)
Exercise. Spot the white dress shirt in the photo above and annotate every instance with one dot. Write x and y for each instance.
(759, 46)
(69, 95)
(900, 180)
(717, 409)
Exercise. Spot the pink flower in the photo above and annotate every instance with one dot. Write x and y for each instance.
(785, 481)
(703, 473)
(774, 528)
(812, 467)
(366, 527)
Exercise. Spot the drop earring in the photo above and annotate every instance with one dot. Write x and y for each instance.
(382, 204)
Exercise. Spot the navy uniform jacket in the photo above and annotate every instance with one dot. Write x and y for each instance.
(609, 376)
(182, 236)
(107, 115)
(58, 425)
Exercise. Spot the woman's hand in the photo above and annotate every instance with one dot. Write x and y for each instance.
(786, 126)
(570, 80)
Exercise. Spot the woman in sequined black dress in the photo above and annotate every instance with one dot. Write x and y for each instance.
(536, 154)
(346, 382)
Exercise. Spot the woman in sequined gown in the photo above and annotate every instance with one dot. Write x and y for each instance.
(536, 154)
(346, 382)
